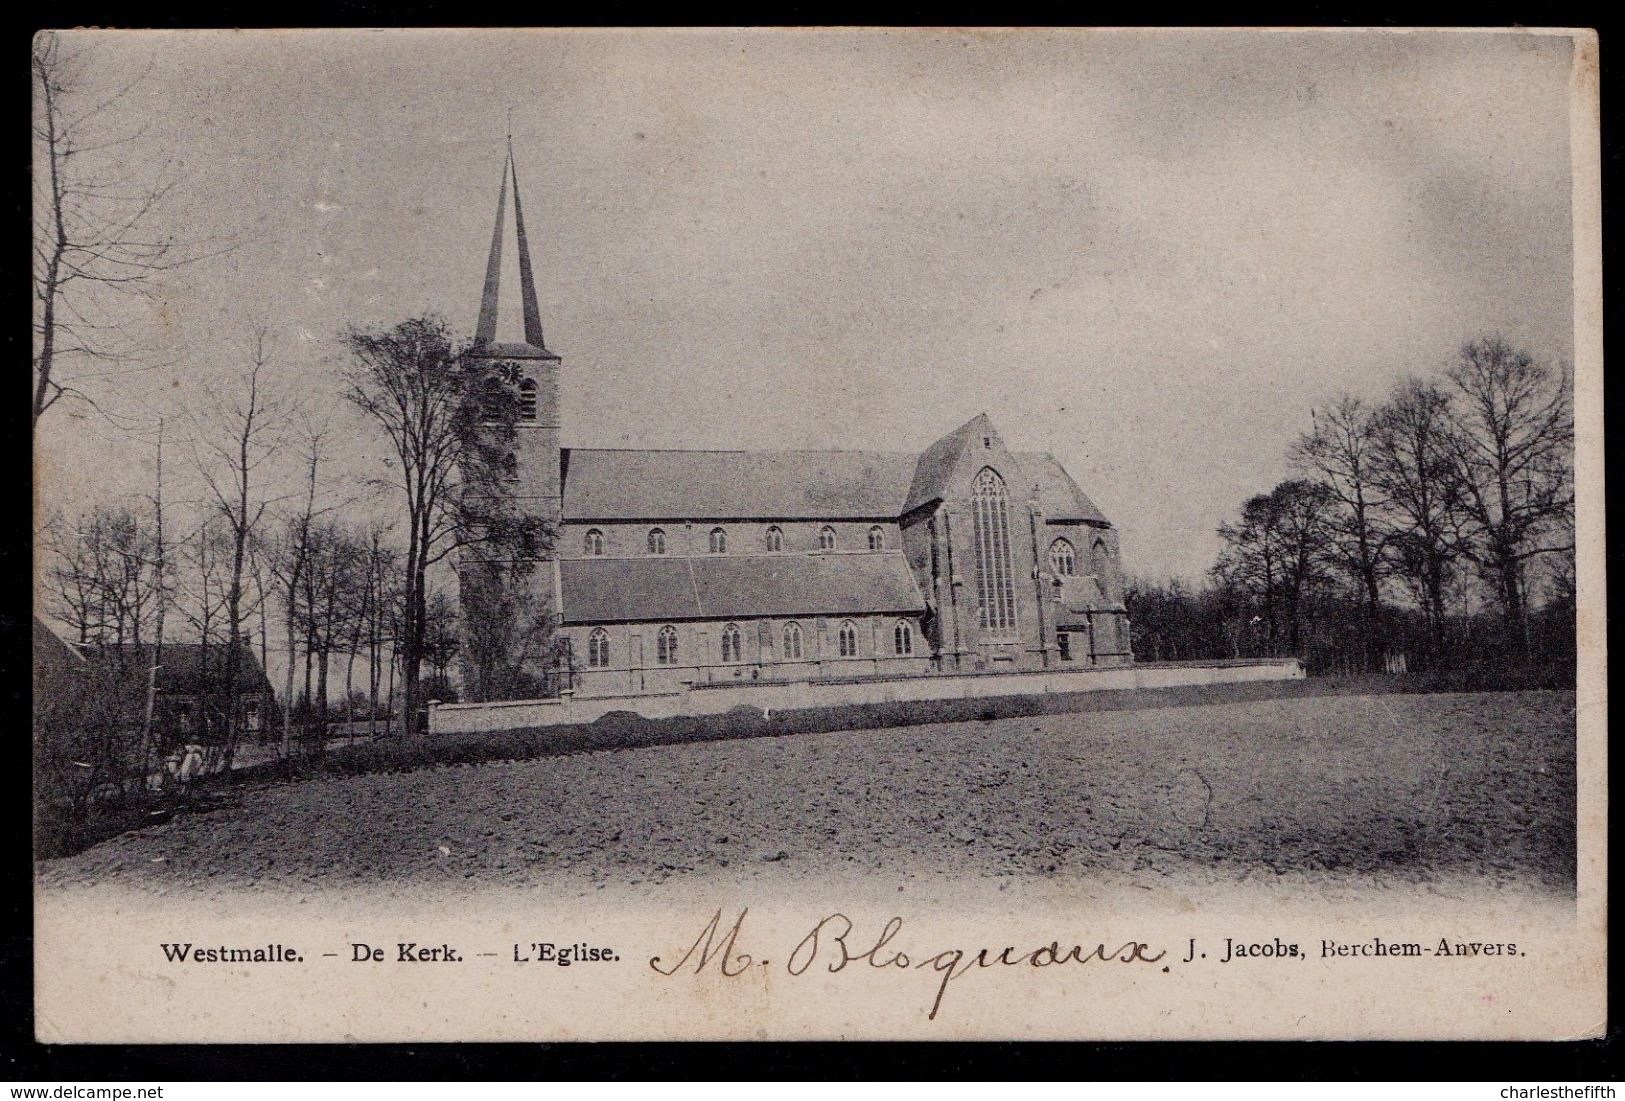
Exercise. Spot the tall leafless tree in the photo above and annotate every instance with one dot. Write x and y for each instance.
(233, 440)
(97, 235)
(1513, 442)
(1340, 452)
(1417, 474)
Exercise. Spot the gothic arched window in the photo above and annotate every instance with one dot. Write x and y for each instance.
(666, 645)
(719, 541)
(593, 544)
(826, 538)
(903, 638)
(775, 539)
(732, 650)
(848, 638)
(527, 400)
(1063, 561)
(792, 641)
(877, 538)
(598, 649)
(657, 541)
(995, 584)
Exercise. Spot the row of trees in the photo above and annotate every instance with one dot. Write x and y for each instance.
(1406, 523)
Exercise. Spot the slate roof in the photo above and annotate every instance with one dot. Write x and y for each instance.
(608, 590)
(189, 669)
(734, 485)
(632, 484)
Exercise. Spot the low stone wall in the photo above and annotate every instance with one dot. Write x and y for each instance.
(768, 697)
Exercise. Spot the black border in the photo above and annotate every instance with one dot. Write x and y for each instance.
(26, 1061)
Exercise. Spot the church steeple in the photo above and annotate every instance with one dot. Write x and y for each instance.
(485, 332)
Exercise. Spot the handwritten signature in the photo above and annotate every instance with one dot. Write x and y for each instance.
(832, 943)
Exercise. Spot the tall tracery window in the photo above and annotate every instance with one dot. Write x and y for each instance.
(775, 539)
(848, 639)
(792, 641)
(666, 645)
(657, 541)
(995, 583)
(826, 538)
(527, 400)
(719, 541)
(1063, 560)
(877, 538)
(732, 649)
(593, 544)
(903, 638)
(598, 649)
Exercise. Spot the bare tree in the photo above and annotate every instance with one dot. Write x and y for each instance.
(233, 441)
(289, 560)
(1417, 473)
(1513, 443)
(104, 580)
(1340, 452)
(95, 236)
(450, 423)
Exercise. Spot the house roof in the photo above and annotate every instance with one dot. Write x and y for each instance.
(189, 668)
(734, 485)
(57, 664)
(603, 590)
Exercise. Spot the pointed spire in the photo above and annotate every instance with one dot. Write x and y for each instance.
(486, 331)
(527, 281)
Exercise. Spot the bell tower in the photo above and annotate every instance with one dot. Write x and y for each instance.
(537, 489)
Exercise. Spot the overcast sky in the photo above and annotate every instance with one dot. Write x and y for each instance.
(1150, 253)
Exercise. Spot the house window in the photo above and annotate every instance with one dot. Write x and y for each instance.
(598, 649)
(792, 641)
(826, 538)
(593, 544)
(719, 541)
(657, 541)
(1100, 550)
(1062, 559)
(527, 400)
(903, 638)
(775, 539)
(848, 638)
(1064, 641)
(666, 645)
(995, 584)
(877, 538)
(732, 650)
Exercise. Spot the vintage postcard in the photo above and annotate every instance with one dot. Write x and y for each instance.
(846, 533)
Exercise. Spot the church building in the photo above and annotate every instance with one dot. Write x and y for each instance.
(673, 567)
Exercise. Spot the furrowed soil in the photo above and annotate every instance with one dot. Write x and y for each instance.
(1387, 789)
